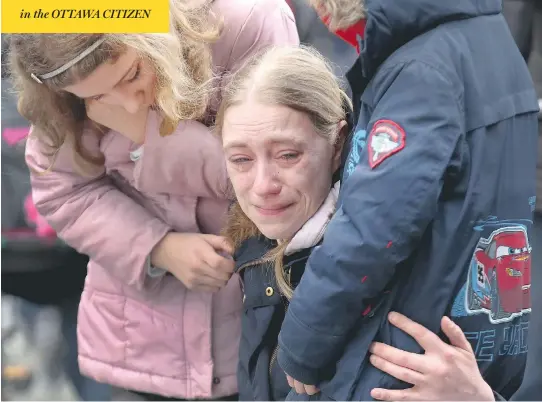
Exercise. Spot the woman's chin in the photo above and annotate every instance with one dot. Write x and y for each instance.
(278, 231)
(283, 224)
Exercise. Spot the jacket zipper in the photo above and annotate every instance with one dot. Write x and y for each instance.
(273, 358)
(286, 303)
(276, 349)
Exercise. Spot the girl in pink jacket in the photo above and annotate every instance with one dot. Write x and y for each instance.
(125, 169)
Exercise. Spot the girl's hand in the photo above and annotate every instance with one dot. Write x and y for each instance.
(301, 388)
(116, 118)
(445, 372)
(199, 261)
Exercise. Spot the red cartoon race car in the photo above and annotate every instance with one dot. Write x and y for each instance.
(500, 274)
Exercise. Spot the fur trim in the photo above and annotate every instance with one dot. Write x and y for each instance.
(238, 227)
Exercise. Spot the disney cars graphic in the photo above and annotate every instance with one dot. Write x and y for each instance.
(500, 275)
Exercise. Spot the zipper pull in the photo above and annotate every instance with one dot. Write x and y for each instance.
(289, 275)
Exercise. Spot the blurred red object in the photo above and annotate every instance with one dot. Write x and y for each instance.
(13, 135)
(33, 217)
(350, 35)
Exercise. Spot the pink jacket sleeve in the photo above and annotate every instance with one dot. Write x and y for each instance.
(91, 214)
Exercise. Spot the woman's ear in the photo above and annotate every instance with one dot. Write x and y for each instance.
(342, 128)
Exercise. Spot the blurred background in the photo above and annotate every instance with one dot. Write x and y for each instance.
(42, 281)
(42, 278)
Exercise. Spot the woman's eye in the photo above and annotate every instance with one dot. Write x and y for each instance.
(136, 74)
(239, 160)
(289, 155)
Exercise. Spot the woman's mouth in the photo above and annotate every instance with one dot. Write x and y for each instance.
(272, 210)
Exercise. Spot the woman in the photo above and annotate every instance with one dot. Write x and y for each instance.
(282, 125)
(126, 171)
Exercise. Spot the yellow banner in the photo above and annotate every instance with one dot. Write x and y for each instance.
(85, 16)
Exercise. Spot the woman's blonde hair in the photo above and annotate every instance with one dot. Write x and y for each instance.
(298, 78)
(181, 59)
(341, 13)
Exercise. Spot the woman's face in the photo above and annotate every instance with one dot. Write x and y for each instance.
(128, 82)
(280, 168)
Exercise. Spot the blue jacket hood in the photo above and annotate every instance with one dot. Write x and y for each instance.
(392, 23)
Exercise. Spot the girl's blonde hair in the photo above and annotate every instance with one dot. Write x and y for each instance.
(181, 59)
(341, 13)
(298, 78)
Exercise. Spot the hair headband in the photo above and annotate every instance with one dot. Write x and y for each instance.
(39, 78)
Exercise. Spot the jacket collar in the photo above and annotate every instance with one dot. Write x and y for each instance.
(313, 230)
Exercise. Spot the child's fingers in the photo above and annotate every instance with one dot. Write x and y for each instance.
(427, 339)
(455, 334)
(311, 389)
(290, 381)
(220, 244)
(299, 387)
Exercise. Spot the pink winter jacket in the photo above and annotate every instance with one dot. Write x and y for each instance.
(136, 331)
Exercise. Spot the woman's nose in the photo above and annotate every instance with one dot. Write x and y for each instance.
(266, 182)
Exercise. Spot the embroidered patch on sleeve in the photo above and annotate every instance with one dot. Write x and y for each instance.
(385, 139)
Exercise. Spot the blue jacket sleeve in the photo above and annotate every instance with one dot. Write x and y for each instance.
(383, 212)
